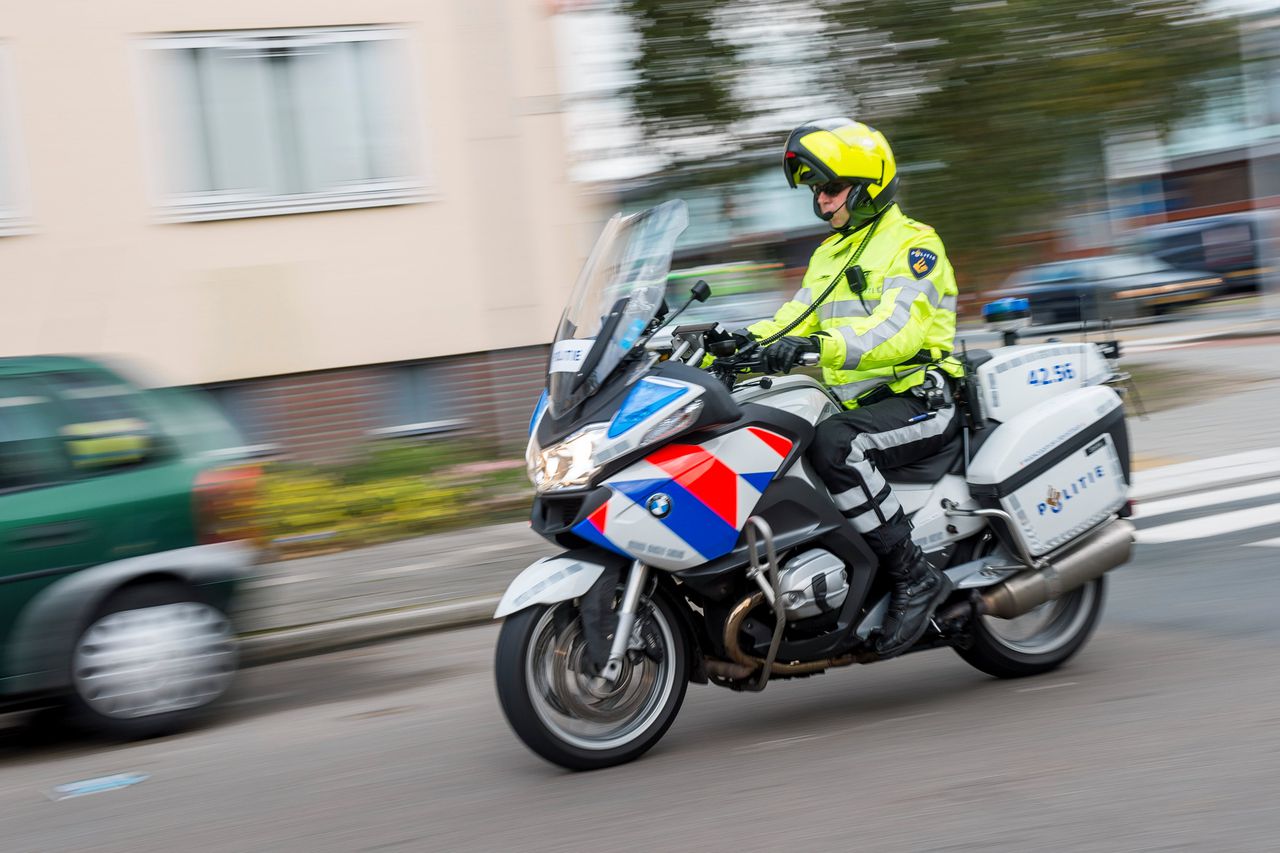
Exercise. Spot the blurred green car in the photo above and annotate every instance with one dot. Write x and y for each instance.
(117, 568)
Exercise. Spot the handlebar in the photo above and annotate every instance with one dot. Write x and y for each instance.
(751, 360)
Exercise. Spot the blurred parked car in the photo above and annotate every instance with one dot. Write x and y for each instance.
(116, 579)
(1230, 246)
(1113, 287)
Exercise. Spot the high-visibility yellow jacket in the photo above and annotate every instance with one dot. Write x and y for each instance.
(907, 308)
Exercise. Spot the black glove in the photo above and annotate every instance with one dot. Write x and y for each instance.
(785, 354)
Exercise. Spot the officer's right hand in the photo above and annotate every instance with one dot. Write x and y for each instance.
(786, 353)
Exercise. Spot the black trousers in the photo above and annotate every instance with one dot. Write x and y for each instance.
(851, 448)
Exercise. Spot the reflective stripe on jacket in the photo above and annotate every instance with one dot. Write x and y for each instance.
(908, 306)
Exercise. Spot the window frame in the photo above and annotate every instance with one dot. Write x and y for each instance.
(410, 399)
(15, 215)
(212, 205)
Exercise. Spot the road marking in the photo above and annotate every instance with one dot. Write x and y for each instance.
(1211, 525)
(1046, 687)
(1201, 499)
(1265, 543)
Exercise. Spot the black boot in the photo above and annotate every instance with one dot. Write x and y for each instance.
(917, 589)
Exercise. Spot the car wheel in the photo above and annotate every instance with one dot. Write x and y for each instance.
(150, 660)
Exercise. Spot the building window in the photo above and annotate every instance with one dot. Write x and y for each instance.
(12, 215)
(283, 121)
(422, 403)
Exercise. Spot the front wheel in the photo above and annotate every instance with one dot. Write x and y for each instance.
(1040, 640)
(569, 717)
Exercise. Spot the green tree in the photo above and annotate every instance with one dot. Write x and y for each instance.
(997, 110)
(684, 68)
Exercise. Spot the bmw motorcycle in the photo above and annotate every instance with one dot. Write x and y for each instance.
(700, 546)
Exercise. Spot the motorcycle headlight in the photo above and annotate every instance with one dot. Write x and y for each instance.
(567, 464)
(572, 463)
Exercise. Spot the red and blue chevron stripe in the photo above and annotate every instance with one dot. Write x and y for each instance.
(713, 487)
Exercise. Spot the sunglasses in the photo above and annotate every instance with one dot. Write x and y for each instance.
(831, 188)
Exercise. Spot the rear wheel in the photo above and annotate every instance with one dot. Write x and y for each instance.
(152, 658)
(1040, 640)
(569, 717)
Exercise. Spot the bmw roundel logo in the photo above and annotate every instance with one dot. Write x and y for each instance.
(659, 505)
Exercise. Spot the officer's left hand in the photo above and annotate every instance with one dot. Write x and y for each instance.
(785, 354)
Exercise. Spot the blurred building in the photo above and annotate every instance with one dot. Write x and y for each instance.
(345, 218)
(1217, 161)
(1207, 193)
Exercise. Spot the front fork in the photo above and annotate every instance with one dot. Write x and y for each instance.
(631, 593)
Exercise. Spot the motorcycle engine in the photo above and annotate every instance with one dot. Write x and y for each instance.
(811, 583)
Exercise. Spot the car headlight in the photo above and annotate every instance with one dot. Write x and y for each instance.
(567, 464)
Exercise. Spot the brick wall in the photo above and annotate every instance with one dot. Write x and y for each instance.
(327, 415)
(517, 379)
(318, 416)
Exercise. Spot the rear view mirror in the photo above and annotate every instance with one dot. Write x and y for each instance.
(701, 291)
(95, 445)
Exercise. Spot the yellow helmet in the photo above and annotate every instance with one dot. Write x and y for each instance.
(841, 149)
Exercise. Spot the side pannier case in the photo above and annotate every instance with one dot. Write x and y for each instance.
(1058, 468)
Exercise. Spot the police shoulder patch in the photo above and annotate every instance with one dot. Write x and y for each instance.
(922, 262)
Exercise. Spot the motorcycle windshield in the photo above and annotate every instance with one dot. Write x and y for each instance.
(618, 292)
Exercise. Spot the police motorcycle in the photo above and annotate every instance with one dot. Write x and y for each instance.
(699, 545)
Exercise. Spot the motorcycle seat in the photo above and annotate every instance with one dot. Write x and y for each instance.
(974, 358)
(932, 468)
(950, 460)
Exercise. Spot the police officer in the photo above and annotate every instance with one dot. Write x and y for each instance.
(884, 327)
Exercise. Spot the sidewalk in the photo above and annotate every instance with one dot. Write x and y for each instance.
(318, 604)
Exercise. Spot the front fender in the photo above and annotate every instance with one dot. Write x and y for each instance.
(548, 581)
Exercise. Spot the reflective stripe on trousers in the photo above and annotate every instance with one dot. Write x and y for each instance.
(851, 447)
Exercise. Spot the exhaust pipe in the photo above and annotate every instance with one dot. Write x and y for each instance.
(1074, 567)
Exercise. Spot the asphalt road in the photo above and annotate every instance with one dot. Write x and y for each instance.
(1164, 733)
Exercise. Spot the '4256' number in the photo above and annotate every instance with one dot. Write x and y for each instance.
(1043, 376)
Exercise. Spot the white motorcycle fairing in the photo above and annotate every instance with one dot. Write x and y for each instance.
(549, 580)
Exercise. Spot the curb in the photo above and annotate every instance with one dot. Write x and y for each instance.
(1264, 330)
(1178, 340)
(353, 632)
